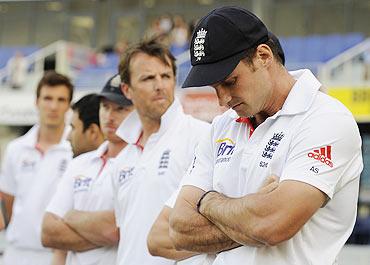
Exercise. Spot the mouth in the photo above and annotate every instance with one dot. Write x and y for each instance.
(110, 127)
(158, 98)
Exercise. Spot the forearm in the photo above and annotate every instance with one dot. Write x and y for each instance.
(6, 207)
(271, 216)
(59, 257)
(98, 227)
(58, 235)
(193, 232)
(225, 213)
(159, 242)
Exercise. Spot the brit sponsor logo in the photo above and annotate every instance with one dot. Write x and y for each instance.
(270, 148)
(322, 154)
(28, 165)
(81, 183)
(124, 174)
(225, 150)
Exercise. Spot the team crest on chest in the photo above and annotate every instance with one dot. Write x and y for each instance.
(270, 148)
(62, 166)
(164, 162)
(199, 44)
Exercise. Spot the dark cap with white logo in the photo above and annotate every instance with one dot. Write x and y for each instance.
(220, 41)
(112, 91)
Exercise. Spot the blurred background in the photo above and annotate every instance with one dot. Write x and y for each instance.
(85, 38)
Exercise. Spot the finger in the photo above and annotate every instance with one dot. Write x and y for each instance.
(269, 188)
(269, 180)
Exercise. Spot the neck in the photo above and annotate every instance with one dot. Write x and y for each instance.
(114, 148)
(150, 126)
(281, 89)
(48, 136)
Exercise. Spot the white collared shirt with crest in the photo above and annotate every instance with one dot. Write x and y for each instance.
(86, 186)
(313, 139)
(31, 177)
(145, 179)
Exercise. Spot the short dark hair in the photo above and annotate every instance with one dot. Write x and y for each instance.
(87, 108)
(52, 78)
(152, 47)
(250, 53)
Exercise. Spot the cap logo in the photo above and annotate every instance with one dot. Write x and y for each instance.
(198, 44)
(116, 81)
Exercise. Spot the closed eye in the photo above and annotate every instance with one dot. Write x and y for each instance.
(229, 82)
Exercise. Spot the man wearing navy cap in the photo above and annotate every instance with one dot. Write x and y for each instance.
(80, 218)
(159, 241)
(280, 128)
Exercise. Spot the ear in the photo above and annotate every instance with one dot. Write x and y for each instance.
(126, 91)
(93, 131)
(264, 54)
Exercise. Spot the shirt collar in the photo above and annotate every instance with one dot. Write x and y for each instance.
(130, 129)
(102, 149)
(302, 94)
(31, 137)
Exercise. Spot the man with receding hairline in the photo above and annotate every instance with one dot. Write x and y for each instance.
(161, 141)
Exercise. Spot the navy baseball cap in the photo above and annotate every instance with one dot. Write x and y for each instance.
(112, 91)
(219, 42)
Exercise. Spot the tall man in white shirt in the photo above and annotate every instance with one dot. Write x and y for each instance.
(80, 216)
(31, 169)
(279, 123)
(159, 241)
(161, 141)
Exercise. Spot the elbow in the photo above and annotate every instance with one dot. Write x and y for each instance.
(49, 231)
(112, 236)
(46, 237)
(46, 234)
(152, 245)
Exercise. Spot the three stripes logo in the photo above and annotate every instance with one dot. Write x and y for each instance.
(323, 154)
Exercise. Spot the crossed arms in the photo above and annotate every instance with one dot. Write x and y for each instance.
(268, 217)
(79, 230)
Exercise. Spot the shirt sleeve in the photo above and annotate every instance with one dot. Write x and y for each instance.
(172, 200)
(200, 173)
(63, 199)
(8, 182)
(325, 153)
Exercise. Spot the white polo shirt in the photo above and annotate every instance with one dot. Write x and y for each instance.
(312, 139)
(31, 177)
(86, 186)
(145, 179)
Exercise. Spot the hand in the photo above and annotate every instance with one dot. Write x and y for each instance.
(270, 184)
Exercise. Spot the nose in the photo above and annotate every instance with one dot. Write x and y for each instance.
(158, 84)
(223, 96)
(69, 137)
(54, 104)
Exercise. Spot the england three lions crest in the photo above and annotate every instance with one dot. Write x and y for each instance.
(199, 44)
